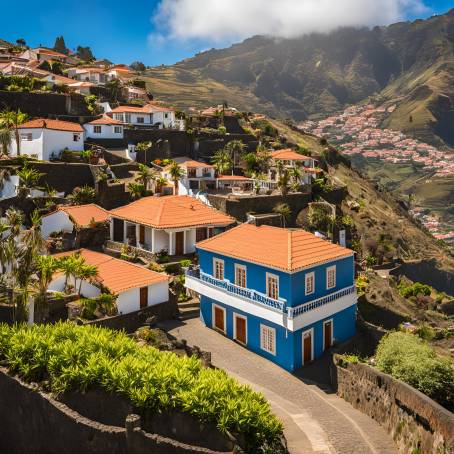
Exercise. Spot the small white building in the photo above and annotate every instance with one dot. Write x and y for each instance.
(67, 218)
(170, 223)
(43, 54)
(44, 138)
(147, 115)
(104, 128)
(92, 74)
(197, 176)
(136, 287)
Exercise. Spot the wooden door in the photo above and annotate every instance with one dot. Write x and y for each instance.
(118, 225)
(179, 243)
(201, 234)
(142, 234)
(328, 334)
(307, 347)
(240, 329)
(143, 297)
(219, 321)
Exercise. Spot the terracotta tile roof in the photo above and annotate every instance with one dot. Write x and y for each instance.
(43, 50)
(105, 120)
(82, 215)
(57, 125)
(118, 275)
(187, 162)
(289, 154)
(171, 211)
(233, 178)
(147, 108)
(61, 79)
(284, 249)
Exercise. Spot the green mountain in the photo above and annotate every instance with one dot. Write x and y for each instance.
(317, 74)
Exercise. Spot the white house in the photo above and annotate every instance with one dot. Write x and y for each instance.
(170, 223)
(91, 74)
(119, 72)
(43, 138)
(136, 287)
(104, 128)
(197, 176)
(43, 54)
(67, 218)
(291, 159)
(147, 115)
(82, 88)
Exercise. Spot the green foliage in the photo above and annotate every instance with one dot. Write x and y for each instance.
(410, 359)
(222, 161)
(361, 284)
(68, 357)
(85, 53)
(172, 268)
(139, 67)
(82, 195)
(185, 263)
(90, 101)
(425, 332)
(153, 266)
(414, 289)
(371, 260)
(60, 45)
(222, 130)
(344, 360)
(265, 127)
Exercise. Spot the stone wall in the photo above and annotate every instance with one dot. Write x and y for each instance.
(238, 207)
(36, 423)
(112, 195)
(416, 423)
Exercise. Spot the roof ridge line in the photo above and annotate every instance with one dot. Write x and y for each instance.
(289, 255)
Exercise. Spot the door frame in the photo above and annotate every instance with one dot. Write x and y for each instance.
(311, 332)
(181, 233)
(235, 317)
(143, 290)
(213, 318)
(332, 333)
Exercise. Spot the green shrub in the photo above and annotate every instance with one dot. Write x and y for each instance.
(153, 266)
(65, 357)
(172, 268)
(412, 360)
(185, 263)
(414, 289)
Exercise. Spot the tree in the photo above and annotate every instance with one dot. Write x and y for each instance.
(82, 195)
(284, 211)
(145, 175)
(60, 45)
(28, 179)
(138, 66)
(160, 183)
(222, 161)
(21, 42)
(85, 53)
(136, 190)
(68, 266)
(176, 172)
(85, 272)
(236, 149)
(113, 88)
(45, 268)
(12, 119)
(5, 140)
(283, 181)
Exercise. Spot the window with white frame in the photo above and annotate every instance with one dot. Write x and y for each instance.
(218, 269)
(127, 118)
(76, 137)
(117, 129)
(310, 283)
(97, 129)
(268, 339)
(331, 277)
(240, 275)
(272, 286)
(26, 137)
(140, 120)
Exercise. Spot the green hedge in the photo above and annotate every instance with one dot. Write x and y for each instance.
(69, 357)
(412, 360)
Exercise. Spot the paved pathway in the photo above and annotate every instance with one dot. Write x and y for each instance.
(315, 419)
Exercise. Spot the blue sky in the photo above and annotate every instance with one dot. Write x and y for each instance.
(165, 31)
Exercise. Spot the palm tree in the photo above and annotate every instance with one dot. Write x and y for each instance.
(283, 181)
(28, 179)
(68, 266)
(106, 302)
(45, 266)
(5, 140)
(222, 161)
(235, 148)
(82, 195)
(284, 211)
(136, 190)
(85, 272)
(176, 172)
(12, 119)
(4, 227)
(160, 183)
(145, 175)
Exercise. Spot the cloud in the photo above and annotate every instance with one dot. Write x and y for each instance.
(224, 20)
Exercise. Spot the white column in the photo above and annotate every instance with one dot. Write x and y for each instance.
(185, 242)
(153, 242)
(111, 228)
(137, 234)
(171, 252)
(125, 230)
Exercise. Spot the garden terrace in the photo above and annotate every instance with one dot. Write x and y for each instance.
(69, 358)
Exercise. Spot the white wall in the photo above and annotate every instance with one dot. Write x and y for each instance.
(161, 239)
(87, 290)
(160, 117)
(32, 147)
(9, 187)
(56, 141)
(129, 301)
(56, 222)
(190, 241)
(107, 132)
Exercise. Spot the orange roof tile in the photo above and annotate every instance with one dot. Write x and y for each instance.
(289, 154)
(187, 162)
(82, 215)
(105, 120)
(43, 50)
(284, 249)
(118, 275)
(233, 178)
(171, 212)
(147, 108)
(57, 125)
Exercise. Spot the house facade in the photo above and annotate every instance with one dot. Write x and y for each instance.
(284, 294)
(104, 128)
(197, 176)
(147, 115)
(44, 138)
(169, 223)
(136, 287)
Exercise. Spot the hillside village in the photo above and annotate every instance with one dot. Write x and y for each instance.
(181, 242)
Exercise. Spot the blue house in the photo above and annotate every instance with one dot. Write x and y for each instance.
(284, 294)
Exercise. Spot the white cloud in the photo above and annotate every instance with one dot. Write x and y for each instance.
(223, 20)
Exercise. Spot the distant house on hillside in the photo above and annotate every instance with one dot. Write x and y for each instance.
(92, 74)
(197, 176)
(43, 54)
(147, 115)
(44, 138)
(170, 223)
(136, 287)
(104, 128)
(284, 294)
(68, 218)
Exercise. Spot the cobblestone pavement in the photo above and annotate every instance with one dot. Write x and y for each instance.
(315, 419)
